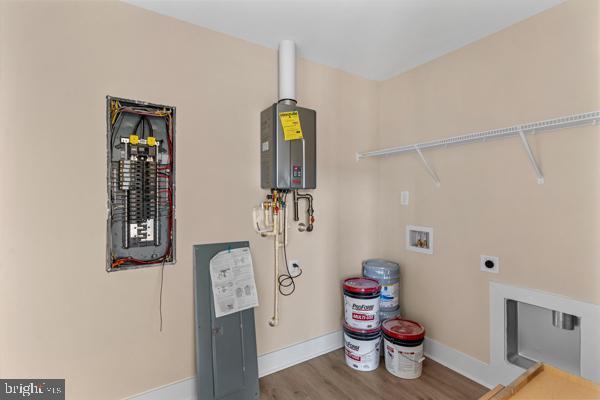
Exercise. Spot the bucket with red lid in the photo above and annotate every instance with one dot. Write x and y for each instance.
(362, 348)
(403, 347)
(361, 302)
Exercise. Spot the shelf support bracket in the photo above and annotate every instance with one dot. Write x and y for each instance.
(534, 164)
(428, 167)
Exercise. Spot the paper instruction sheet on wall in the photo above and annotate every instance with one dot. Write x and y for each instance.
(233, 285)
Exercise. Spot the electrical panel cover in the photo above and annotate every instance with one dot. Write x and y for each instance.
(141, 184)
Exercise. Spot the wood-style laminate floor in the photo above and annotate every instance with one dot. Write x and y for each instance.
(328, 378)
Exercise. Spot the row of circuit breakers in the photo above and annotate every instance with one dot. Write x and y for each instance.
(141, 184)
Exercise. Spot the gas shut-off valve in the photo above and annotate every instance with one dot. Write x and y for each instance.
(288, 153)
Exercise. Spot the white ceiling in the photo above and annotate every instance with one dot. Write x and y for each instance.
(376, 39)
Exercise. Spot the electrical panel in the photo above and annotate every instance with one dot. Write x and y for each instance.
(141, 184)
(288, 140)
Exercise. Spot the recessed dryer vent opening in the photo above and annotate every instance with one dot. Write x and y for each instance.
(534, 335)
(141, 184)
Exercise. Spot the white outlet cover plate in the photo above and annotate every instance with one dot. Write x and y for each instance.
(494, 259)
(404, 198)
(294, 271)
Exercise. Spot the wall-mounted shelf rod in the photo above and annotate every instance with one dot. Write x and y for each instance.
(516, 130)
(533, 127)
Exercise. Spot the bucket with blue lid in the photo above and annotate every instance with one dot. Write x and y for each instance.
(387, 273)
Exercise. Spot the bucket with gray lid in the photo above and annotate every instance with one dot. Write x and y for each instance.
(388, 275)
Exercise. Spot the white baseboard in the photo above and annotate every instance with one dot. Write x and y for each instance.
(300, 352)
(462, 363)
(267, 364)
(184, 389)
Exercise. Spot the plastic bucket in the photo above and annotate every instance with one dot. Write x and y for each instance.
(361, 303)
(387, 273)
(362, 348)
(403, 347)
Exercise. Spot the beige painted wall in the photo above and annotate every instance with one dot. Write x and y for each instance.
(489, 202)
(61, 314)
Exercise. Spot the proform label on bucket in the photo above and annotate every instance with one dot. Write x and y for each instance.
(363, 313)
(361, 303)
(362, 348)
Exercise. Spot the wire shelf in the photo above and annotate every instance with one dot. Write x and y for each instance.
(517, 130)
(529, 128)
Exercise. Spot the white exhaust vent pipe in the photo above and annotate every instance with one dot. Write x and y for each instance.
(287, 70)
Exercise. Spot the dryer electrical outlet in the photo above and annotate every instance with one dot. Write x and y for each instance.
(141, 184)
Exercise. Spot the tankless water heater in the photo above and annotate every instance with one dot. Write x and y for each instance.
(288, 162)
(288, 147)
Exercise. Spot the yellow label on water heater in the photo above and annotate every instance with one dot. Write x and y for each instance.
(290, 122)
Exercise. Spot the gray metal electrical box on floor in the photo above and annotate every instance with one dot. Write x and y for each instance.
(292, 163)
(226, 361)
